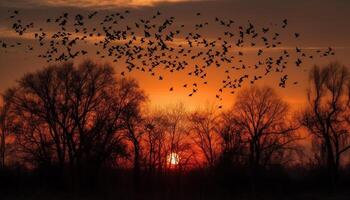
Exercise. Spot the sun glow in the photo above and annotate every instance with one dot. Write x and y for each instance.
(173, 159)
(108, 3)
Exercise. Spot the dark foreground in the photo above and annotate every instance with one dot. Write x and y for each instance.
(201, 185)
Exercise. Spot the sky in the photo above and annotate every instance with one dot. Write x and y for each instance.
(321, 24)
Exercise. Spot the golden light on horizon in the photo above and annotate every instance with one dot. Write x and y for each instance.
(173, 159)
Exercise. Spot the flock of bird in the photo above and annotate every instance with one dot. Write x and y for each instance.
(158, 42)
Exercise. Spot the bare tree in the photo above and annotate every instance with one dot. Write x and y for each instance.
(155, 141)
(35, 105)
(232, 145)
(347, 112)
(204, 126)
(5, 128)
(73, 115)
(176, 126)
(262, 118)
(133, 121)
(324, 117)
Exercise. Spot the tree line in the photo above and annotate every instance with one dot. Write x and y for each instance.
(81, 119)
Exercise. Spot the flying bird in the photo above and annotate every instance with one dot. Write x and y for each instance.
(148, 45)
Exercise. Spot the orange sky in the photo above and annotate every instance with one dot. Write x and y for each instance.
(321, 24)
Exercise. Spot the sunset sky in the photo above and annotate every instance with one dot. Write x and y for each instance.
(321, 24)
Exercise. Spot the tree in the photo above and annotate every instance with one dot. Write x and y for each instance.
(232, 144)
(262, 118)
(176, 132)
(132, 120)
(204, 131)
(325, 115)
(5, 127)
(73, 115)
(155, 146)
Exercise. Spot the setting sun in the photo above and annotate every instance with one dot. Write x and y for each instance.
(174, 99)
(173, 159)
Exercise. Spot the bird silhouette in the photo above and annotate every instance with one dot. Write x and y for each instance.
(149, 45)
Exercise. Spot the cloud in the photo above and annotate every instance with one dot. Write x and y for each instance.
(29, 35)
(88, 3)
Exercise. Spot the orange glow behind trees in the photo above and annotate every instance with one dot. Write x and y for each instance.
(173, 159)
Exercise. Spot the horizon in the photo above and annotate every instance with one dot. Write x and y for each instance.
(175, 99)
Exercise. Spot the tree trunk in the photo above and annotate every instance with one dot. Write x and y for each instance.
(3, 149)
(252, 166)
(136, 162)
(331, 165)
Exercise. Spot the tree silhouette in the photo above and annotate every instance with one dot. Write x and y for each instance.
(176, 134)
(262, 118)
(133, 121)
(155, 146)
(81, 126)
(6, 126)
(73, 116)
(233, 147)
(204, 128)
(326, 113)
